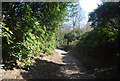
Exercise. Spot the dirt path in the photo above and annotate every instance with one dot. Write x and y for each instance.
(60, 65)
(72, 69)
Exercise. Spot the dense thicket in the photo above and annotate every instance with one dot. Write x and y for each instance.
(106, 18)
(34, 28)
(101, 45)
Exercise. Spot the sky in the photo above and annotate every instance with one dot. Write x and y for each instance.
(88, 6)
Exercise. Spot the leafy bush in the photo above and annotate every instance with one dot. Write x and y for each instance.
(33, 29)
(5, 33)
(98, 48)
(73, 35)
(101, 46)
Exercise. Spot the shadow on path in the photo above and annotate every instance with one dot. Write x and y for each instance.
(76, 70)
(63, 48)
(98, 69)
(70, 68)
(44, 70)
(60, 65)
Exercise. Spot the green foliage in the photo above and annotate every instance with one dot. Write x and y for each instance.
(5, 32)
(73, 35)
(29, 65)
(34, 27)
(97, 40)
(106, 15)
(102, 43)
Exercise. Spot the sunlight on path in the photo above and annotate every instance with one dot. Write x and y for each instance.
(72, 67)
(0, 74)
(60, 65)
(56, 58)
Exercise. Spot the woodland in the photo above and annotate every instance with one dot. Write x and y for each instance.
(33, 30)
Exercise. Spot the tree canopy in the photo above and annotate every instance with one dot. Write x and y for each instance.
(106, 15)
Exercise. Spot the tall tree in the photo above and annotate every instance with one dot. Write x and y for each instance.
(106, 15)
(75, 15)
